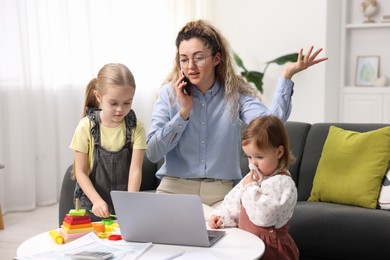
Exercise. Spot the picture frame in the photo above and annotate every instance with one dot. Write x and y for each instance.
(367, 70)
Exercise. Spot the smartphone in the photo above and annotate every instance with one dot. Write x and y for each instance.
(187, 88)
(90, 255)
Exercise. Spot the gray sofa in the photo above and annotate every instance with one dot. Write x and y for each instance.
(321, 230)
(329, 230)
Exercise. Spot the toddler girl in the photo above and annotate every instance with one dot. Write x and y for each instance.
(263, 201)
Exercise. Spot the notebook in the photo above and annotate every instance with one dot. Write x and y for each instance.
(160, 218)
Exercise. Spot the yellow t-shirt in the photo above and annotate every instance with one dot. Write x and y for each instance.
(112, 139)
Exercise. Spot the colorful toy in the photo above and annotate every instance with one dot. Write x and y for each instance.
(107, 221)
(76, 224)
(99, 227)
(104, 235)
(56, 236)
(106, 227)
(115, 237)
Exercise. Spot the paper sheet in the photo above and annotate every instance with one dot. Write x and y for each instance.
(90, 242)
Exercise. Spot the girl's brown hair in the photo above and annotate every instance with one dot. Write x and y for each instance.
(112, 74)
(267, 132)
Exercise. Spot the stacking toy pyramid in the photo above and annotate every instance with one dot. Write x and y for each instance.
(76, 224)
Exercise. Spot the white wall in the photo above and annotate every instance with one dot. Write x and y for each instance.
(260, 30)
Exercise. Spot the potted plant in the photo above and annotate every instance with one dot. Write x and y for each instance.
(256, 77)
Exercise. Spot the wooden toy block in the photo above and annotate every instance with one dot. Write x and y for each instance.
(77, 211)
(72, 226)
(79, 230)
(98, 227)
(77, 222)
(56, 236)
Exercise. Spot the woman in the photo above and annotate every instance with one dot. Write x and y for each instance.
(199, 134)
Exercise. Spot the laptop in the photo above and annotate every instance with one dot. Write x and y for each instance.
(175, 219)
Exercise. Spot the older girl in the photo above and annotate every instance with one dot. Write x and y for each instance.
(109, 141)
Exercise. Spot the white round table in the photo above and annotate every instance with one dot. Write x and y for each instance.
(236, 244)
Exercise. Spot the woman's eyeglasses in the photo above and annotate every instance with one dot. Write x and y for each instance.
(199, 60)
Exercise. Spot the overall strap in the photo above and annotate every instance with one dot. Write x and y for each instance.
(93, 115)
(131, 123)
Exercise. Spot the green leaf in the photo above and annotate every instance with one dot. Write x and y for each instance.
(292, 57)
(256, 78)
(259, 86)
(238, 61)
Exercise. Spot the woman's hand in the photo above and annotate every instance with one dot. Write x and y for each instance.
(100, 209)
(185, 100)
(302, 63)
(215, 222)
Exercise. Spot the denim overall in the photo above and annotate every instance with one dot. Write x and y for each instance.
(110, 170)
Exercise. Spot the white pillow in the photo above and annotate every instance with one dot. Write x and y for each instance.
(384, 196)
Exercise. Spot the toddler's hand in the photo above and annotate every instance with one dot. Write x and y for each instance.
(215, 222)
(252, 176)
(248, 178)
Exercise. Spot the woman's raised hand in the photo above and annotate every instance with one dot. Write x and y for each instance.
(303, 62)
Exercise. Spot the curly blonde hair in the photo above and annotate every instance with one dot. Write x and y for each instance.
(225, 73)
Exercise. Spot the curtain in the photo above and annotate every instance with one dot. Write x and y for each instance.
(49, 51)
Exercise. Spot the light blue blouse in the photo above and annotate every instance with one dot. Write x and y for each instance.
(208, 145)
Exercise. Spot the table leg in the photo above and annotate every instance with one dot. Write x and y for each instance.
(1, 213)
(1, 219)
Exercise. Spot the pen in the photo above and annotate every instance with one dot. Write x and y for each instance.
(111, 215)
(174, 256)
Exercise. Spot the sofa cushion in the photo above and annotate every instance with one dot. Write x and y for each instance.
(297, 133)
(324, 230)
(313, 148)
(351, 167)
(149, 180)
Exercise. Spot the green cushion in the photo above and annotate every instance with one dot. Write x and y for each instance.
(352, 167)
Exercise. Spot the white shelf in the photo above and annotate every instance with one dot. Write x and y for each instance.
(367, 25)
(368, 89)
(364, 103)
